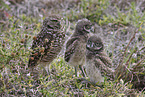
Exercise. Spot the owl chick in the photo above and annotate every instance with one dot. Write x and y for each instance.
(97, 60)
(76, 45)
(48, 43)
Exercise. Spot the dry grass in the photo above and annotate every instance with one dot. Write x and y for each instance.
(121, 24)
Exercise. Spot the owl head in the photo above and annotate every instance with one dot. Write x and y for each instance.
(83, 26)
(52, 22)
(94, 44)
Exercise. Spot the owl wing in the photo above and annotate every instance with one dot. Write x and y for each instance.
(105, 59)
(103, 62)
(70, 48)
(42, 40)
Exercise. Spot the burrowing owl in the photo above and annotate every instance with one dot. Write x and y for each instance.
(76, 45)
(97, 60)
(48, 43)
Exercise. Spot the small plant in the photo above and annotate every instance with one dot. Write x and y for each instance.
(122, 25)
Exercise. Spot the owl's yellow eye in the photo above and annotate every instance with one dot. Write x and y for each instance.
(97, 44)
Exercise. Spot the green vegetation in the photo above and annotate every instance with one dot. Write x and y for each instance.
(120, 23)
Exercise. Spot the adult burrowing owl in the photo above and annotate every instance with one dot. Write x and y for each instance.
(97, 60)
(48, 43)
(76, 45)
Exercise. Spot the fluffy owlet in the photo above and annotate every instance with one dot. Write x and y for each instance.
(97, 61)
(48, 43)
(76, 45)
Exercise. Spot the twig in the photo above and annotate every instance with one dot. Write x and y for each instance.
(140, 62)
(121, 61)
(130, 57)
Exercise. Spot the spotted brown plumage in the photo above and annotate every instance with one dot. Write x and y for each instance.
(48, 43)
(76, 45)
(97, 62)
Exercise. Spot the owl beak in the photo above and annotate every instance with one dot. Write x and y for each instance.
(88, 45)
(92, 29)
(92, 44)
(89, 30)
